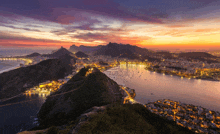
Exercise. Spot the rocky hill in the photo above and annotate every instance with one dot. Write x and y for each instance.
(58, 53)
(17, 81)
(117, 119)
(77, 95)
(68, 59)
(80, 54)
(85, 49)
(90, 102)
(165, 54)
(196, 55)
(117, 50)
(33, 55)
(201, 56)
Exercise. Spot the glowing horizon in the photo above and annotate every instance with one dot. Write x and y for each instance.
(192, 24)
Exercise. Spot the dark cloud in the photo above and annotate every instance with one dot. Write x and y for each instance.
(90, 27)
(27, 29)
(72, 11)
(57, 11)
(36, 26)
(110, 37)
(60, 32)
(92, 36)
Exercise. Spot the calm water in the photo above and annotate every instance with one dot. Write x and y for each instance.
(150, 86)
(9, 65)
(20, 116)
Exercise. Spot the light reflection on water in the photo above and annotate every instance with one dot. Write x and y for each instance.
(151, 86)
(19, 116)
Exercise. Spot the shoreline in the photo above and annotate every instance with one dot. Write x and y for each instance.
(12, 68)
(183, 76)
(6, 99)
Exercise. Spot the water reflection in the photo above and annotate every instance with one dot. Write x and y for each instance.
(152, 86)
(19, 113)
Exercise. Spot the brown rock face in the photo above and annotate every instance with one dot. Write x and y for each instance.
(79, 94)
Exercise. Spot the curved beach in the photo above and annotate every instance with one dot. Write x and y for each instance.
(9, 65)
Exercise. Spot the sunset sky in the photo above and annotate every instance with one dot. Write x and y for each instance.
(162, 24)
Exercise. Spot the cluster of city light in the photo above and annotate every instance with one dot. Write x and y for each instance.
(27, 61)
(192, 117)
(213, 72)
(89, 71)
(45, 89)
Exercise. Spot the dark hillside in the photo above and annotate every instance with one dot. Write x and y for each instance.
(131, 119)
(116, 50)
(17, 81)
(81, 54)
(84, 92)
(33, 55)
(201, 56)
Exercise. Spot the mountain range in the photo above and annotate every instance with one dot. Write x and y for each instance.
(116, 50)
(127, 51)
(85, 49)
(58, 53)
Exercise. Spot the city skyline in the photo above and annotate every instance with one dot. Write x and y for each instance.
(167, 25)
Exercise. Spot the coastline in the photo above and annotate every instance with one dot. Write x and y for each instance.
(6, 99)
(183, 76)
(12, 68)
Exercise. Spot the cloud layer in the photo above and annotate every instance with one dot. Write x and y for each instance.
(95, 22)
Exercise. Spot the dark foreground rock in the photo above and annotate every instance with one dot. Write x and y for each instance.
(118, 119)
(17, 81)
(78, 95)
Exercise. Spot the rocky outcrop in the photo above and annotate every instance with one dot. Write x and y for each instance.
(68, 59)
(33, 55)
(80, 54)
(125, 51)
(85, 49)
(85, 117)
(17, 81)
(80, 93)
(56, 54)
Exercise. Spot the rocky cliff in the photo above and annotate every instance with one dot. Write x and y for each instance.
(80, 93)
(85, 49)
(17, 81)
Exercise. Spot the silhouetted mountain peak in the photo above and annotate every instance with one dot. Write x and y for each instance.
(60, 52)
(33, 54)
(116, 50)
(83, 48)
(81, 54)
(67, 58)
